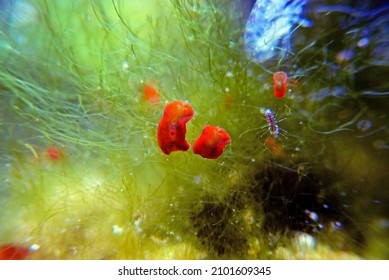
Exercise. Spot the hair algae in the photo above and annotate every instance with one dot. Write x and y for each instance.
(82, 176)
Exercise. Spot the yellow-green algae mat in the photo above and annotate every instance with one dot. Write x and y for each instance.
(83, 177)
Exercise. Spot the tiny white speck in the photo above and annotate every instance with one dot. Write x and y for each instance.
(363, 42)
(305, 241)
(197, 179)
(117, 230)
(312, 215)
(229, 74)
(125, 65)
(34, 247)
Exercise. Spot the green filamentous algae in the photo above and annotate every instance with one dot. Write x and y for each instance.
(276, 146)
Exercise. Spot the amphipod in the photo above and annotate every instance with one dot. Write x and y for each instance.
(271, 121)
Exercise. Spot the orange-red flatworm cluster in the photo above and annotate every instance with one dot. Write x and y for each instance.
(172, 130)
(211, 142)
(280, 80)
(172, 127)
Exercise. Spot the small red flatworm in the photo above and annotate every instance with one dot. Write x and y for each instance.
(150, 93)
(211, 142)
(274, 146)
(12, 252)
(280, 79)
(172, 127)
(54, 153)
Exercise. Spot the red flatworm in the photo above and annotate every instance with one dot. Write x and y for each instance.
(172, 127)
(54, 154)
(151, 94)
(211, 142)
(12, 252)
(274, 146)
(280, 83)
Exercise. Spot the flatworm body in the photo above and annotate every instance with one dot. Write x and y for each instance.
(273, 146)
(211, 142)
(172, 127)
(280, 80)
(12, 252)
(151, 94)
(54, 154)
(269, 27)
